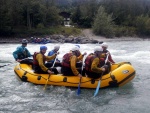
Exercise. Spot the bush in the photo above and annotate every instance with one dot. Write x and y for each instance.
(142, 25)
(124, 31)
(103, 24)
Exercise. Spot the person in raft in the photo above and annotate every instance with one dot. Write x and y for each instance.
(21, 53)
(79, 56)
(39, 60)
(105, 51)
(92, 64)
(69, 63)
(52, 52)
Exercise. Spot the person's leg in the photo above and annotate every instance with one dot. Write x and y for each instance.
(49, 64)
(67, 71)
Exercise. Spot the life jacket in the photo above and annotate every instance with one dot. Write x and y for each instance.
(88, 62)
(35, 62)
(22, 55)
(66, 60)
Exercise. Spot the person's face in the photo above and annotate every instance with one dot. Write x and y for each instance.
(25, 44)
(43, 51)
(98, 53)
(77, 53)
(56, 50)
(104, 48)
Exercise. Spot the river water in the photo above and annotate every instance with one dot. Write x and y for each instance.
(22, 97)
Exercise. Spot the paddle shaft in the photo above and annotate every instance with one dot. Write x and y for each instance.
(49, 74)
(79, 90)
(99, 82)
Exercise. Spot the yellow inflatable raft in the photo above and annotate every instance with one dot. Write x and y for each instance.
(120, 74)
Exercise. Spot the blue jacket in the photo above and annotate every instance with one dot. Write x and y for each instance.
(21, 52)
(50, 54)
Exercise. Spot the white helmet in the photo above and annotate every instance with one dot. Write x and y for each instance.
(75, 48)
(98, 48)
(105, 45)
(57, 47)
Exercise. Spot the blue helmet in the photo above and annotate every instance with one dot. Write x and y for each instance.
(78, 46)
(43, 48)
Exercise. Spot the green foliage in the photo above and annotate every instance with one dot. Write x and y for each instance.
(103, 24)
(142, 25)
(41, 30)
(125, 31)
(40, 26)
(84, 13)
(127, 15)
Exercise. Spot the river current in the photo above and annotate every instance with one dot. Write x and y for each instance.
(23, 97)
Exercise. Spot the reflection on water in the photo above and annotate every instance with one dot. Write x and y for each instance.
(23, 97)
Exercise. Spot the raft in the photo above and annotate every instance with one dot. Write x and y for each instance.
(119, 75)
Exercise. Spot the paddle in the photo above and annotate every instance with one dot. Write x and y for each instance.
(49, 75)
(4, 65)
(99, 82)
(79, 90)
(11, 63)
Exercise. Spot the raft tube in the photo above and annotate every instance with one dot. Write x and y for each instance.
(119, 75)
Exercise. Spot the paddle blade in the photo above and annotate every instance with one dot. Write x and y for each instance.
(46, 82)
(97, 89)
(45, 85)
(78, 91)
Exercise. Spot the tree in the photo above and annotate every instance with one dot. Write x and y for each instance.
(103, 24)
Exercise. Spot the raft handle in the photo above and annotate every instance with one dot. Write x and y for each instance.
(92, 81)
(39, 78)
(65, 79)
(113, 77)
(24, 77)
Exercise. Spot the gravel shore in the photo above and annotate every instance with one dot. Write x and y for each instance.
(86, 33)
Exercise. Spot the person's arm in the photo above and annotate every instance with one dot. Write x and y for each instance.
(39, 58)
(16, 52)
(81, 56)
(110, 59)
(94, 66)
(73, 61)
(48, 58)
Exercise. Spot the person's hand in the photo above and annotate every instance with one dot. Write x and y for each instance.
(103, 69)
(84, 53)
(105, 66)
(79, 75)
(18, 60)
(107, 53)
(50, 72)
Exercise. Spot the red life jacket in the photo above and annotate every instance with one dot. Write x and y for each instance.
(66, 60)
(88, 62)
(35, 62)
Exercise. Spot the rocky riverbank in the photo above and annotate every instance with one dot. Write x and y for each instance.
(86, 37)
(53, 39)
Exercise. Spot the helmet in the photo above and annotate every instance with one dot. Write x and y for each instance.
(43, 48)
(105, 45)
(75, 48)
(57, 47)
(98, 48)
(24, 41)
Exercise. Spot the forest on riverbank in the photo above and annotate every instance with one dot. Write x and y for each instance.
(109, 18)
